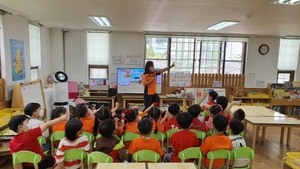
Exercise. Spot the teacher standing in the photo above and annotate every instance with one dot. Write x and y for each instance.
(149, 81)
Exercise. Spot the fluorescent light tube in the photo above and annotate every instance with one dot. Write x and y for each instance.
(100, 21)
(285, 2)
(222, 25)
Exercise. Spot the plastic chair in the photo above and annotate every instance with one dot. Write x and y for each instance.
(169, 134)
(98, 136)
(56, 136)
(243, 152)
(26, 157)
(218, 154)
(160, 137)
(98, 157)
(129, 136)
(42, 141)
(146, 155)
(89, 135)
(191, 153)
(205, 113)
(75, 154)
(200, 134)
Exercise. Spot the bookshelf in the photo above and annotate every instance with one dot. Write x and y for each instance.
(287, 106)
(252, 101)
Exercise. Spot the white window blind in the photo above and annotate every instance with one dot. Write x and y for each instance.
(288, 54)
(96, 73)
(97, 48)
(34, 45)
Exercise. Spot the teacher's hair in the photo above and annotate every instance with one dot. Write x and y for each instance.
(148, 65)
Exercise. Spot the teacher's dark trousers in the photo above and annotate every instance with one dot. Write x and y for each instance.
(149, 99)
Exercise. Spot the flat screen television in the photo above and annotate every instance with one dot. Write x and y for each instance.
(130, 80)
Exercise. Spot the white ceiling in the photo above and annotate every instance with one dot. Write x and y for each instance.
(191, 16)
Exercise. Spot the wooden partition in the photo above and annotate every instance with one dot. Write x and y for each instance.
(229, 82)
(2, 90)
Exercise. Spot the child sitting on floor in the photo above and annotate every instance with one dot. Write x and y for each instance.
(108, 143)
(145, 142)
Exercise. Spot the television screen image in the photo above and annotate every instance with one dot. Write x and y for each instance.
(130, 80)
(98, 84)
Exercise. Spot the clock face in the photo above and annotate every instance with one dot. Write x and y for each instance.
(263, 49)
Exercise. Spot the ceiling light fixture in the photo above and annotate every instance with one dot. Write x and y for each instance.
(100, 21)
(285, 2)
(222, 25)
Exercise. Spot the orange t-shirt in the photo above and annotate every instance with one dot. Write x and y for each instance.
(88, 124)
(145, 144)
(151, 88)
(130, 127)
(160, 127)
(213, 143)
(59, 126)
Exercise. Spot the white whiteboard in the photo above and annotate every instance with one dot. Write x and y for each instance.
(32, 93)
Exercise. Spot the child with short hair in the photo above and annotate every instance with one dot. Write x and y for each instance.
(211, 97)
(194, 110)
(213, 111)
(34, 111)
(216, 142)
(145, 142)
(27, 139)
(182, 139)
(74, 128)
(173, 111)
(235, 128)
(90, 124)
(104, 113)
(108, 143)
(239, 114)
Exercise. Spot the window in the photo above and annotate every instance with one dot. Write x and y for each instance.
(98, 72)
(284, 76)
(221, 55)
(97, 48)
(182, 53)
(34, 73)
(288, 54)
(156, 51)
(35, 45)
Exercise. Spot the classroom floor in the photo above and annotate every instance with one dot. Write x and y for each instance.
(267, 155)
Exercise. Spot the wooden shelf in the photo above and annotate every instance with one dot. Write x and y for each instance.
(252, 100)
(286, 102)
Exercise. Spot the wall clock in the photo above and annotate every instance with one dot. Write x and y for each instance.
(263, 49)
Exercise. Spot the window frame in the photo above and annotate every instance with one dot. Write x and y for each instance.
(99, 67)
(291, 72)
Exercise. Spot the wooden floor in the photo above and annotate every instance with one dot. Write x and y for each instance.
(268, 155)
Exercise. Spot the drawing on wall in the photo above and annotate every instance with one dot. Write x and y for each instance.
(133, 59)
(117, 60)
(17, 59)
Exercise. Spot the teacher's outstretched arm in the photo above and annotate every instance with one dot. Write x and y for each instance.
(166, 68)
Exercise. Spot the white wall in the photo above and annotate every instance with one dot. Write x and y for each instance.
(14, 28)
(124, 43)
(45, 54)
(262, 67)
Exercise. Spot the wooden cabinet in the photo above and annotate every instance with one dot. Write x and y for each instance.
(250, 101)
(289, 107)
